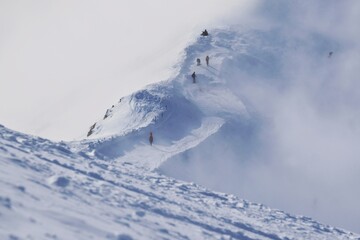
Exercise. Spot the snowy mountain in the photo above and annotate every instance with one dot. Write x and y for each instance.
(115, 185)
(270, 120)
(177, 109)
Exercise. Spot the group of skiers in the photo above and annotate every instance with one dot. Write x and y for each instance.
(205, 33)
(198, 61)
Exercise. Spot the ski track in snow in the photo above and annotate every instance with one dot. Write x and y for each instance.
(106, 187)
(151, 157)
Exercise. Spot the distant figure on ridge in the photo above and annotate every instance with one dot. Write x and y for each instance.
(207, 60)
(151, 138)
(205, 33)
(193, 77)
(198, 61)
(330, 54)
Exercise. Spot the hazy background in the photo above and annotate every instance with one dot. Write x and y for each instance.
(63, 63)
(314, 134)
(300, 150)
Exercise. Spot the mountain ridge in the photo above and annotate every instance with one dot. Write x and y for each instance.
(115, 185)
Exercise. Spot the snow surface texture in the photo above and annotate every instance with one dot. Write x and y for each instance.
(107, 186)
(60, 191)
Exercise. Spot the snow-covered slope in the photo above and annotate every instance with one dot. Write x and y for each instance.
(58, 191)
(111, 186)
(262, 121)
(181, 114)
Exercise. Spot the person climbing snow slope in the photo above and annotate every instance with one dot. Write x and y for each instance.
(198, 61)
(193, 77)
(151, 138)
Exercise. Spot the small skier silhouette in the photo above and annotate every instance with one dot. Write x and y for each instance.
(198, 61)
(330, 54)
(193, 77)
(207, 60)
(151, 138)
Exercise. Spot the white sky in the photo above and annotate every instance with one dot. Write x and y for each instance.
(63, 63)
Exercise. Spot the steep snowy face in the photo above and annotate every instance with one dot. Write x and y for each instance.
(132, 113)
(61, 191)
(175, 107)
(212, 106)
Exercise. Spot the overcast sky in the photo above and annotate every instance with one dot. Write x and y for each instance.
(63, 63)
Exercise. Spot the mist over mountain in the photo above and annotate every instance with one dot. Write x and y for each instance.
(290, 126)
(272, 118)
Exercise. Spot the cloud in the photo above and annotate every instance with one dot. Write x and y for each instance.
(314, 113)
(302, 153)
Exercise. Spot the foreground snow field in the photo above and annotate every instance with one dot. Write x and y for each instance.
(110, 185)
(58, 191)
